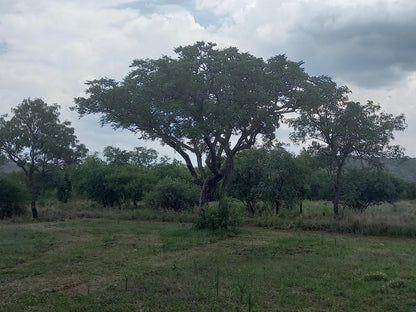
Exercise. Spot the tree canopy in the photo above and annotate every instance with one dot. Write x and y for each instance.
(207, 104)
(141, 156)
(340, 128)
(35, 139)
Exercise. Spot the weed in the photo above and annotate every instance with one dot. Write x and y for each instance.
(376, 276)
(396, 283)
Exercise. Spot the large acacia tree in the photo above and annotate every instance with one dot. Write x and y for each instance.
(36, 141)
(207, 104)
(341, 129)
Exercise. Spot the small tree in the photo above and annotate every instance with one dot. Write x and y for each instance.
(367, 186)
(144, 157)
(341, 129)
(12, 196)
(249, 177)
(115, 155)
(270, 174)
(130, 182)
(140, 156)
(35, 140)
(282, 179)
(90, 179)
(173, 194)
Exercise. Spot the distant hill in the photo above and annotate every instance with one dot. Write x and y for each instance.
(404, 168)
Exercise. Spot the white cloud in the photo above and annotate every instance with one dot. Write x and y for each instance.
(55, 47)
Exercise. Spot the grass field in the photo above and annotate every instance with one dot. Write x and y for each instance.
(129, 265)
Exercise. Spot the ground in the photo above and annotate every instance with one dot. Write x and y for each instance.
(123, 265)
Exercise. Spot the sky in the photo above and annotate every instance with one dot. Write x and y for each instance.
(49, 49)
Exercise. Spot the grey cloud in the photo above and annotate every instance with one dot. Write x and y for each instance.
(371, 54)
(371, 43)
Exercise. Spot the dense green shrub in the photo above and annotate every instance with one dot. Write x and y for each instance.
(110, 184)
(366, 186)
(90, 180)
(12, 198)
(171, 193)
(227, 214)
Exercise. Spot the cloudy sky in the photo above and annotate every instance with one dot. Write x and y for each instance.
(49, 48)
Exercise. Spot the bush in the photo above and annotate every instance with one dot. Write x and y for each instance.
(175, 194)
(224, 216)
(12, 198)
(368, 186)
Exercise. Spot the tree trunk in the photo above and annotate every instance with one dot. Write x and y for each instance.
(34, 210)
(337, 192)
(206, 194)
(250, 205)
(227, 174)
(277, 206)
(34, 191)
(300, 206)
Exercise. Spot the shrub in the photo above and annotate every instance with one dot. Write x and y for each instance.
(367, 186)
(175, 194)
(12, 198)
(223, 216)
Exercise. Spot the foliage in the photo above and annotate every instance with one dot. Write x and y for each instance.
(90, 179)
(368, 186)
(320, 185)
(285, 179)
(224, 216)
(36, 141)
(140, 156)
(249, 177)
(114, 183)
(173, 169)
(116, 155)
(130, 182)
(269, 174)
(411, 190)
(173, 193)
(341, 129)
(13, 197)
(206, 103)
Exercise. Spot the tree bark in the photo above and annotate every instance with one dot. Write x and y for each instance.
(337, 192)
(250, 205)
(33, 205)
(34, 191)
(277, 206)
(227, 173)
(206, 194)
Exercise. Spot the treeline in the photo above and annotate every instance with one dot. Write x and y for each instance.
(280, 178)
(212, 106)
(264, 178)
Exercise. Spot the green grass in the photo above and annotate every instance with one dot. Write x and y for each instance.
(128, 265)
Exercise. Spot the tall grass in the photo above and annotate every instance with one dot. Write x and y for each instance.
(391, 219)
(396, 219)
